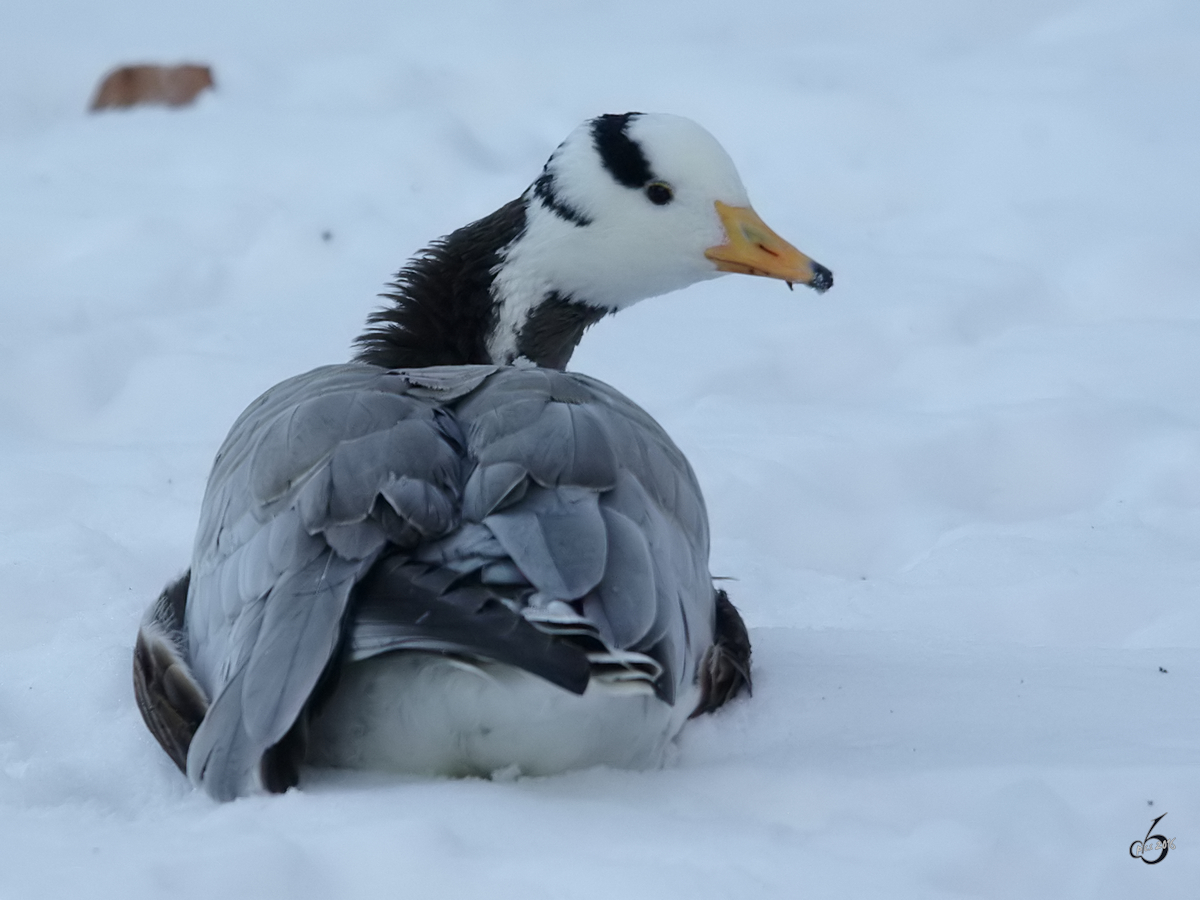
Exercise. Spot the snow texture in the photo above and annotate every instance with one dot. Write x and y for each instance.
(959, 494)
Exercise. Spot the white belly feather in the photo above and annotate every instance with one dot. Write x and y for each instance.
(433, 715)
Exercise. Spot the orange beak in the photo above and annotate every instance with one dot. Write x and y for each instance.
(752, 248)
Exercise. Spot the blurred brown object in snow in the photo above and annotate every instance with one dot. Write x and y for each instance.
(138, 85)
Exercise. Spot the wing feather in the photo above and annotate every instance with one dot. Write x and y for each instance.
(495, 498)
(292, 520)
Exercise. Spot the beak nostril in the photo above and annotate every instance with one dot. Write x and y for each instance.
(765, 249)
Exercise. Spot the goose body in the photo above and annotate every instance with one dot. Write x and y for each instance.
(450, 556)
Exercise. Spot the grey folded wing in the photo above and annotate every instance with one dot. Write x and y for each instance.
(315, 479)
(594, 504)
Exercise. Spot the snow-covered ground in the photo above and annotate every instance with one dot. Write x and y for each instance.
(960, 493)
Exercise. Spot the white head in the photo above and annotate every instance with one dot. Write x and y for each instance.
(628, 207)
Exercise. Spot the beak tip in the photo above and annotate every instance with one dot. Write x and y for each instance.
(822, 279)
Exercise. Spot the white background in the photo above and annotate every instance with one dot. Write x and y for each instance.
(960, 493)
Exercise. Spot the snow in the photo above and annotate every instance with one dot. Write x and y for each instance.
(960, 493)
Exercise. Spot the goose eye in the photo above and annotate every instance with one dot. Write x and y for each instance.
(659, 193)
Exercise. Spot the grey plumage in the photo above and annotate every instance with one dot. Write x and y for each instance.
(534, 486)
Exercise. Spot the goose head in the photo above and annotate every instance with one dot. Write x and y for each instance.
(628, 207)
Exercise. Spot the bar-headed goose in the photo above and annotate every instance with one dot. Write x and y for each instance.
(450, 556)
